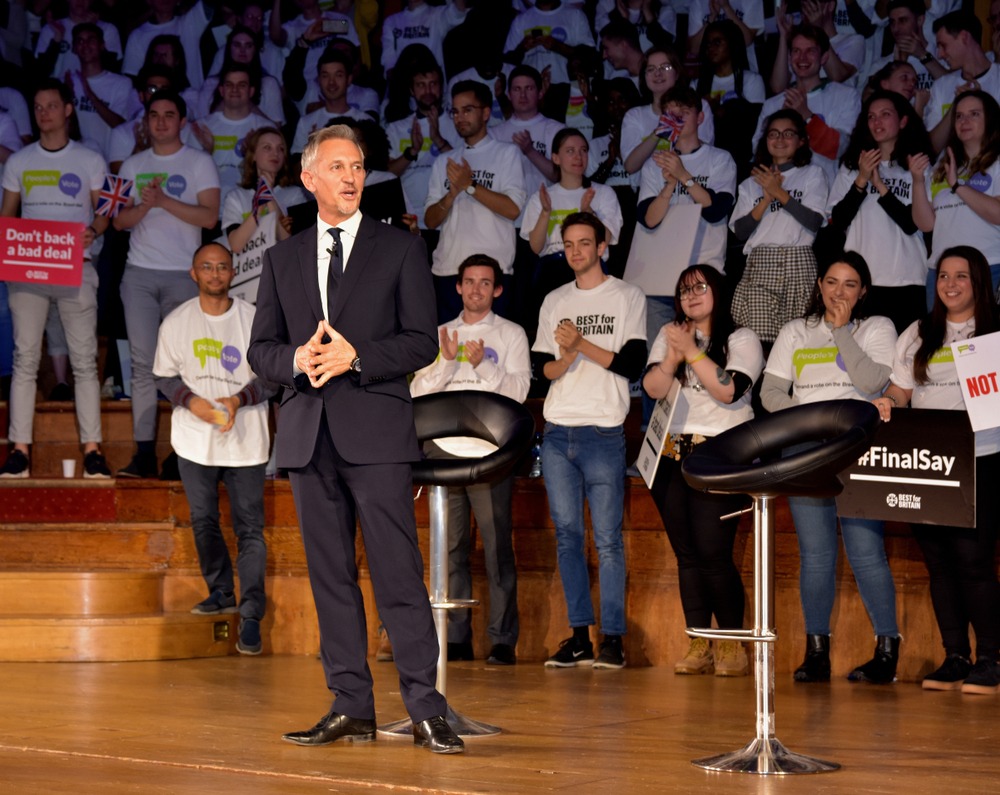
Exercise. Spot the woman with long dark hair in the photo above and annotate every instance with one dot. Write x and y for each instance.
(837, 352)
(716, 365)
(960, 560)
(870, 205)
(779, 209)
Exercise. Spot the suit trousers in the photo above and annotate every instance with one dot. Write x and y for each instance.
(331, 495)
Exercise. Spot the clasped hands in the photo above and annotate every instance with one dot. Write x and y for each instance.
(321, 361)
(206, 411)
(474, 349)
(568, 338)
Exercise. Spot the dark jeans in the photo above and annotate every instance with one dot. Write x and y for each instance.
(963, 575)
(245, 486)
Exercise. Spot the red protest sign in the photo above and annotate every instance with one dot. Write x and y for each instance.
(41, 252)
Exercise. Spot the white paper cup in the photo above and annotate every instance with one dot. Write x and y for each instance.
(69, 467)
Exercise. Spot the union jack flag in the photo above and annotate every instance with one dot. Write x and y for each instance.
(114, 195)
(670, 127)
(261, 197)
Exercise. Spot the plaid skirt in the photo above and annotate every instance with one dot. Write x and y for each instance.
(775, 288)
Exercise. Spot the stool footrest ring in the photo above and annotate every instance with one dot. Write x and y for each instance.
(454, 604)
(731, 634)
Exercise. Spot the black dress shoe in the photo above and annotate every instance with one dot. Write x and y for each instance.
(501, 654)
(332, 727)
(436, 734)
(460, 651)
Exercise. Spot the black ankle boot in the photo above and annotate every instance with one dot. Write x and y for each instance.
(816, 666)
(880, 669)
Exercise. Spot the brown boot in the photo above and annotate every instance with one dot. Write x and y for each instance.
(698, 659)
(730, 658)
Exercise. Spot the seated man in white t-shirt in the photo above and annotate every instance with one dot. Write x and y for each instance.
(334, 74)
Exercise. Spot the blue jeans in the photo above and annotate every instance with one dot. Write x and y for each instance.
(245, 487)
(660, 310)
(816, 528)
(578, 463)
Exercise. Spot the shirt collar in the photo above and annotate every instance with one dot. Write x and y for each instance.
(487, 320)
(350, 226)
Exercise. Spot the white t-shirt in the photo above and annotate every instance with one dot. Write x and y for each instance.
(230, 136)
(724, 88)
(116, 92)
(209, 354)
(318, 119)
(838, 105)
(162, 241)
(269, 101)
(238, 203)
(943, 389)
(641, 122)
(956, 224)
(608, 315)
(778, 227)
(542, 130)
(565, 202)
(425, 24)
(943, 93)
(121, 139)
(472, 228)
(496, 112)
(189, 26)
(296, 28)
(56, 186)
(667, 17)
(713, 169)
(67, 59)
(505, 368)
(12, 103)
(697, 411)
(563, 23)
(895, 258)
(806, 354)
(417, 177)
(618, 176)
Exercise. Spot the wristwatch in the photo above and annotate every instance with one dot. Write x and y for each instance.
(356, 364)
(471, 190)
(689, 183)
(928, 57)
(409, 154)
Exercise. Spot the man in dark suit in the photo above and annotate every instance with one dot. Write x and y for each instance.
(345, 310)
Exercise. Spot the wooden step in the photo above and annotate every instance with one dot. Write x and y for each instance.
(40, 500)
(171, 636)
(80, 593)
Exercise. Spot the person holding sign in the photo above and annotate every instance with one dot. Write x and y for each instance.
(960, 561)
(837, 353)
(266, 188)
(716, 365)
(55, 179)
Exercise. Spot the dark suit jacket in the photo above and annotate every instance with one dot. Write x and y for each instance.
(385, 307)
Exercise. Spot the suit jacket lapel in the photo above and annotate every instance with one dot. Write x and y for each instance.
(362, 250)
(307, 269)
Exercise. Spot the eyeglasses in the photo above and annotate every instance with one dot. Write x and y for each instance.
(774, 135)
(222, 267)
(687, 291)
(663, 67)
(465, 110)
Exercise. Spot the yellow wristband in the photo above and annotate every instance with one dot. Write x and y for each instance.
(697, 358)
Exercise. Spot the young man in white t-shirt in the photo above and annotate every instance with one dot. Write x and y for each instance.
(55, 179)
(592, 342)
(219, 432)
(175, 195)
(483, 352)
(334, 75)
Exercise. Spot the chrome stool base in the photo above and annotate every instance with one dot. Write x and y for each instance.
(765, 756)
(461, 725)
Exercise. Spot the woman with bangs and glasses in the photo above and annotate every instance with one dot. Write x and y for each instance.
(779, 209)
(661, 70)
(265, 161)
(716, 365)
(960, 560)
(870, 205)
(960, 203)
(836, 352)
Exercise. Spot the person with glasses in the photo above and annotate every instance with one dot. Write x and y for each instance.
(661, 70)
(218, 429)
(716, 364)
(836, 351)
(475, 194)
(779, 209)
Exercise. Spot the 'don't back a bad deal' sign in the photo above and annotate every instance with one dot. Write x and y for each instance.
(41, 252)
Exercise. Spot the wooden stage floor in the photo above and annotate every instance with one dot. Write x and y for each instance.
(213, 726)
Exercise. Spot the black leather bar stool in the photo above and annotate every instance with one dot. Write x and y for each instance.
(739, 461)
(504, 429)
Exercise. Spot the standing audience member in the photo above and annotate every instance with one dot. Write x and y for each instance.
(419, 23)
(54, 50)
(219, 431)
(483, 352)
(175, 196)
(591, 343)
(166, 17)
(716, 365)
(960, 560)
(334, 74)
(836, 352)
(55, 179)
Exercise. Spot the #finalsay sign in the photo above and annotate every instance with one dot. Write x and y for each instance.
(41, 252)
(920, 469)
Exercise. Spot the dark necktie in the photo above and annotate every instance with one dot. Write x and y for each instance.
(336, 253)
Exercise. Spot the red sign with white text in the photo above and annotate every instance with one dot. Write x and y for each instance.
(41, 252)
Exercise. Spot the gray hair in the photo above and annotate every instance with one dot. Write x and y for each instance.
(340, 132)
